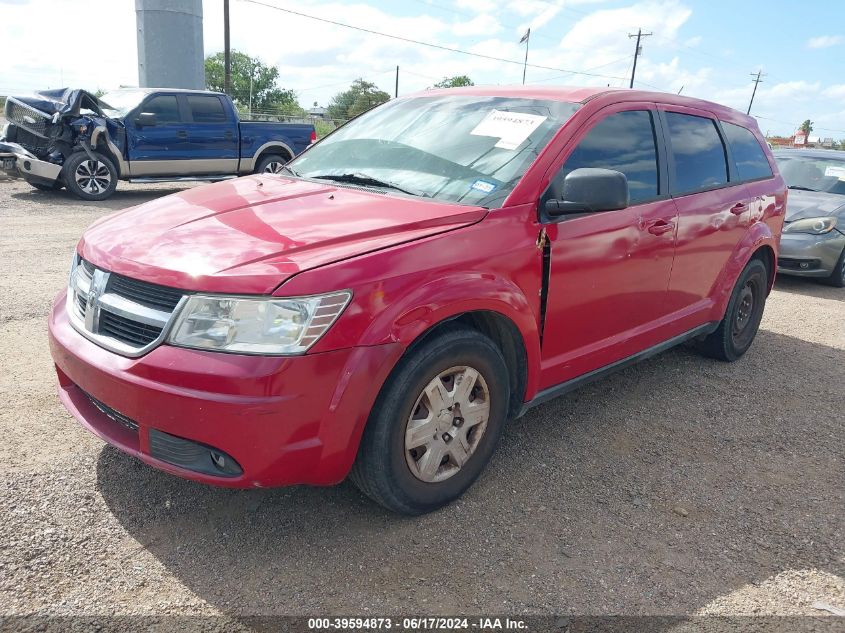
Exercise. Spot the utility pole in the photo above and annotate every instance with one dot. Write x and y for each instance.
(227, 57)
(396, 91)
(525, 38)
(637, 52)
(757, 80)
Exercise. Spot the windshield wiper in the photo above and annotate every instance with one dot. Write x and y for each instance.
(290, 170)
(802, 188)
(364, 179)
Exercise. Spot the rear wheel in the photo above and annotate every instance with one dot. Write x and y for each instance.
(271, 164)
(435, 425)
(742, 319)
(90, 179)
(837, 277)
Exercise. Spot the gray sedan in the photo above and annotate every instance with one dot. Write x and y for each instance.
(813, 242)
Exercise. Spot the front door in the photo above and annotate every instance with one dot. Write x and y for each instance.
(157, 150)
(609, 272)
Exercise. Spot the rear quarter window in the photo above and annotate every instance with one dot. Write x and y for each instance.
(749, 158)
(698, 153)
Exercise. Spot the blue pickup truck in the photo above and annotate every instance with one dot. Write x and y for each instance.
(70, 138)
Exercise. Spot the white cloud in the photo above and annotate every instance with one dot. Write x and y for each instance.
(825, 41)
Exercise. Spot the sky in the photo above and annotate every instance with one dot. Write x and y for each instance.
(704, 48)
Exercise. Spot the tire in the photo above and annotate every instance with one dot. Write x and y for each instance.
(54, 187)
(271, 164)
(837, 277)
(742, 319)
(403, 479)
(90, 180)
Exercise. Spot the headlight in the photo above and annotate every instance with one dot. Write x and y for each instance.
(4, 131)
(814, 226)
(256, 325)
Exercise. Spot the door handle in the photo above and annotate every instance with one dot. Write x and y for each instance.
(228, 134)
(739, 208)
(659, 227)
(182, 134)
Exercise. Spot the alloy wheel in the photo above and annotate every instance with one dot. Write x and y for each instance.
(93, 176)
(446, 424)
(274, 167)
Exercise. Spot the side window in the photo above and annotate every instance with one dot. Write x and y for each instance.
(206, 109)
(165, 107)
(750, 160)
(625, 142)
(698, 151)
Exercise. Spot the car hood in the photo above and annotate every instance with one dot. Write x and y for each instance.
(812, 204)
(61, 101)
(248, 235)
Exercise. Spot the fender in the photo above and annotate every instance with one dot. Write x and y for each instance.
(248, 164)
(116, 154)
(758, 235)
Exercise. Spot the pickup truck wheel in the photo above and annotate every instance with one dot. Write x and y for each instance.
(435, 424)
(271, 164)
(742, 319)
(90, 179)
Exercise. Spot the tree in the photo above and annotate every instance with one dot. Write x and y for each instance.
(454, 82)
(807, 127)
(360, 97)
(267, 97)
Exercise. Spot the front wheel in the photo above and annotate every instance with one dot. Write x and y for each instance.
(837, 277)
(435, 425)
(90, 179)
(742, 319)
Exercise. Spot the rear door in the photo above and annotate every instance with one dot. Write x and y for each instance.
(155, 150)
(212, 134)
(714, 208)
(609, 272)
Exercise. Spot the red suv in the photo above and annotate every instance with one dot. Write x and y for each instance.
(435, 267)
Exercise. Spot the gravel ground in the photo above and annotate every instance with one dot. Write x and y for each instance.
(679, 486)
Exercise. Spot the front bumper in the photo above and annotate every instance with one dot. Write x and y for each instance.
(284, 420)
(810, 255)
(17, 162)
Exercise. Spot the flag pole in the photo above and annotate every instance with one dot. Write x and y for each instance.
(526, 39)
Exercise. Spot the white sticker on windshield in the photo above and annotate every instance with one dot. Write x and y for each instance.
(835, 172)
(511, 128)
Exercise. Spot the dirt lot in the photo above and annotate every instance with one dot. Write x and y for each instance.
(679, 486)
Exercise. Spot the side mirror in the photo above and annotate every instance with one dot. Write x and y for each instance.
(590, 190)
(146, 119)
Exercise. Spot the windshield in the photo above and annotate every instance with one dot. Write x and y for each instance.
(813, 173)
(119, 103)
(465, 149)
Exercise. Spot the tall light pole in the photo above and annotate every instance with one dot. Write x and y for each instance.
(227, 57)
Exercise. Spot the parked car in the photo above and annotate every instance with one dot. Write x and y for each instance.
(382, 307)
(813, 242)
(71, 138)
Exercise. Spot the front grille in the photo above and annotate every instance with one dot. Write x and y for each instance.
(127, 315)
(126, 330)
(114, 415)
(28, 118)
(150, 295)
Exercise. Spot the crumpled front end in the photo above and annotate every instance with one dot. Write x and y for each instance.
(45, 129)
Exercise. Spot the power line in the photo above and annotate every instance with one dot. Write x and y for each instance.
(428, 44)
